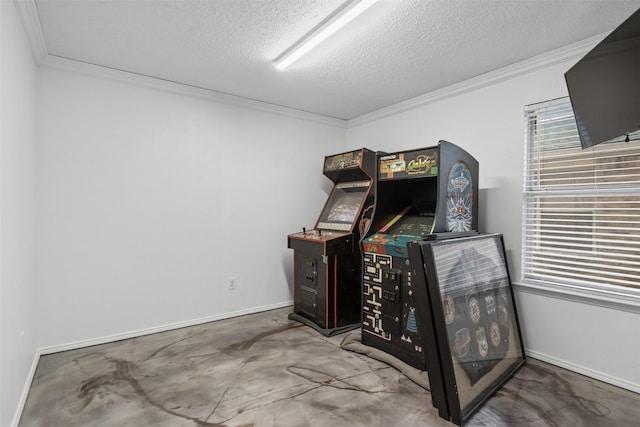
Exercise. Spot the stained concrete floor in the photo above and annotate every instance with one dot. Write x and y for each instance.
(265, 370)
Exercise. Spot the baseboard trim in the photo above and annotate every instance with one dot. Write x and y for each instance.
(168, 327)
(132, 334)
(25, 390)
(618, 382)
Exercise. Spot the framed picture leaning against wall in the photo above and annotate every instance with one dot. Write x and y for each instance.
(471, 323)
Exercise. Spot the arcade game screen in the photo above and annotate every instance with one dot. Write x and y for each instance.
(344, 203)
(412, 225)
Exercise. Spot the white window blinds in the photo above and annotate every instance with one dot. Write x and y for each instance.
(581, 219)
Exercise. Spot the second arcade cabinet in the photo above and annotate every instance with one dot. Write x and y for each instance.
(327, 258)
(428, 193)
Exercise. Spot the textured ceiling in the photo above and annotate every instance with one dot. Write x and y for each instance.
(397, 50)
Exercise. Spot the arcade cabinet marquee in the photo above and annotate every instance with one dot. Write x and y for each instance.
(327, 258)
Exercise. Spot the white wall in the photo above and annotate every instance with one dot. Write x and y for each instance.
(149, 201)
(582, 334)
(17, 279)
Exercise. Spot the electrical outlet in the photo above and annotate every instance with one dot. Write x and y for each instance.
(233, 283)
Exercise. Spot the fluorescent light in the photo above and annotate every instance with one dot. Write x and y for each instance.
(332, 24)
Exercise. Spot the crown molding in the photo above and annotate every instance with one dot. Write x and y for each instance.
(29, 15)
(547, 59)
(140, 80)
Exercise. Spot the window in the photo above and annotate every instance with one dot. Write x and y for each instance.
(581, 217)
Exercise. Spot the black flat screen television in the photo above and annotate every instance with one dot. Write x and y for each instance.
(604, 86)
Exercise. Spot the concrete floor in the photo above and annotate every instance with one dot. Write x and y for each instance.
(266, 370)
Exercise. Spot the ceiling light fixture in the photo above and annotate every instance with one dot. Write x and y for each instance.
(324, 30)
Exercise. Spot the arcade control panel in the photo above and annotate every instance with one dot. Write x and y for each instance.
(335, 242)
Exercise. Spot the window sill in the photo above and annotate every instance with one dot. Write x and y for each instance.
(626, 300)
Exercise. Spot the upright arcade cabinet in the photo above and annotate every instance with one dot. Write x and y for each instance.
(428, 193)
(327, 259)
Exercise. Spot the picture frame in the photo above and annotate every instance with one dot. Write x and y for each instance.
(471, 323)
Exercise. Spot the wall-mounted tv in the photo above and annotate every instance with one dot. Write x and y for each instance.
(604, 86)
